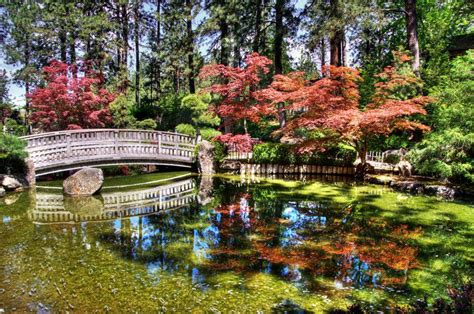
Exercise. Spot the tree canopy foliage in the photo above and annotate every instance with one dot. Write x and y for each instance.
(71, 100)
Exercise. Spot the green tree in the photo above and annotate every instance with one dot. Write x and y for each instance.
(448, 152)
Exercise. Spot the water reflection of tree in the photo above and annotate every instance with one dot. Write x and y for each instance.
(302, 238)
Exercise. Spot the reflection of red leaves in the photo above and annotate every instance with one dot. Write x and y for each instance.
(403, 231)
(340, 248)
(231, 209)
(277, 255)
(395, 256)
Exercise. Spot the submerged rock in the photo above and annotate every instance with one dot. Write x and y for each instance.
(86, 181)
(2, 191)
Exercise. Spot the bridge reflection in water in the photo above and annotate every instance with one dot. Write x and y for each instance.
(53, 208)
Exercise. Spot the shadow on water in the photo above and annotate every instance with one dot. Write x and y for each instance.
(366, 244)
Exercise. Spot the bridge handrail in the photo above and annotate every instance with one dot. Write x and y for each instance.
(66, 148)
(53, 133)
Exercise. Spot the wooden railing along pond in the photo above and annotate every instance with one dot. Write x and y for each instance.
(67, 150)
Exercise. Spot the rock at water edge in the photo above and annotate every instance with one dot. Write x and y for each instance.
(10, 183)
(206, 158)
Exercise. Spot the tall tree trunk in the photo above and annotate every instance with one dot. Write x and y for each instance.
(323, 54)
(26, 62)
(237, 44)
(412, 34)
(279, 32)
(344, 57)
(190, 48)
(62, 44)
(278, 52)
(158, 47)
(224, 29)
(136, 11)
(124, 22)
(72, 52)
(224, 53)
(337, 36)
(123, 85)
(258, 25)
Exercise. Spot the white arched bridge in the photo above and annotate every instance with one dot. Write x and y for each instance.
(69, 150)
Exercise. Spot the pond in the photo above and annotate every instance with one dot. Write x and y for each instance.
(226, 244)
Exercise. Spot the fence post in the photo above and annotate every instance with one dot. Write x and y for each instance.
(68, 143)
(159, 144)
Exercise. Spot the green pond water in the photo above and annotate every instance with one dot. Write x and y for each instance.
(225, 244)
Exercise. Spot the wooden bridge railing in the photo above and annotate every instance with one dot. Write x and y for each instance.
(53, 149)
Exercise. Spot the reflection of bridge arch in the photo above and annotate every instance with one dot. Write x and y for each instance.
(68, 150)
(54, 208)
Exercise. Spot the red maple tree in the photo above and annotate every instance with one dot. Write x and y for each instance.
(328, 110)
(73, 98)
(237, 88)
(239, 142)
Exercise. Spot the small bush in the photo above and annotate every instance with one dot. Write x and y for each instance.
(208, 133)
(187, 129)
(275, 153)
(392, 159)
(219, 151)
(147, 124)
(12, 154)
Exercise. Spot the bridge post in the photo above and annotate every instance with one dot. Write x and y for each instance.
(116, 135)
(159, 143)
(68, 146)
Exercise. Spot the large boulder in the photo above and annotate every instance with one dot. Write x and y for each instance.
(207, 164)
(11, 183)
(404, 168)
(362, 170)
(86, 181)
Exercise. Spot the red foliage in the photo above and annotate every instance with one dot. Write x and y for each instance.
(332, 105)
(240, 142)
(70, 100)
(237, 89)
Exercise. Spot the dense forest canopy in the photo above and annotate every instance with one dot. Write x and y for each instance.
(145, 56)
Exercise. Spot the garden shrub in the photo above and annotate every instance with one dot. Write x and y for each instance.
(392, 159)
(185, 128)
(209, 133)
(12, 154)
(219, 151)
(147, 124)
(448, 151)
(276, 153)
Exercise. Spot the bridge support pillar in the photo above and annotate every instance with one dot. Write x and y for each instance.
(206, 158)
(30, 172)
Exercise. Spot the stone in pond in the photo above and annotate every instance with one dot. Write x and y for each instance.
(86, 181)
(2, 191)
(10, 183)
